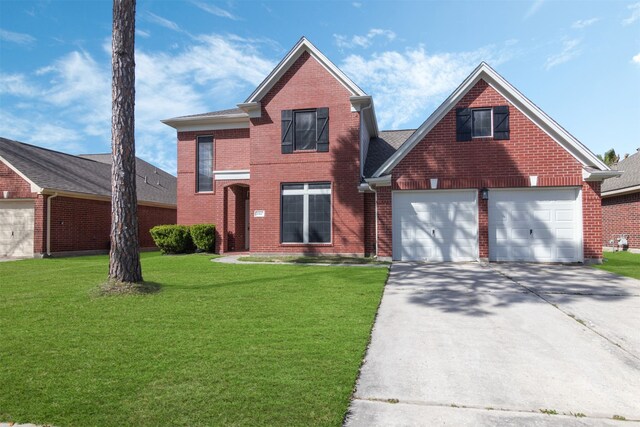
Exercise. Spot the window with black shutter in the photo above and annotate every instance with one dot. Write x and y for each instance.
(482, 123)
(305, 130)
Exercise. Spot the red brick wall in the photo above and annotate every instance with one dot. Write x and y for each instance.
(385, 247)
(231, 152)
(621, 215)
(369, 224)
(10, 181)
(84, 225)
(307, 85)
(484, 162)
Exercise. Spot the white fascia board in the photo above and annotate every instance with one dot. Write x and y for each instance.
(300, 47)
(35, 188)
(382, 181)
(621, 191)
(235, 121)
(253, 109)
(599, 175)
(226, 175)
(366, 107)
(89, 196)
(510, 93)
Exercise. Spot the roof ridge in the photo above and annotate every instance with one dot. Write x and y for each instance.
(48, 149)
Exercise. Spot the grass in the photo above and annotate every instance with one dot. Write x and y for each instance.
(623, 263)
(307, 259)
(217, 345)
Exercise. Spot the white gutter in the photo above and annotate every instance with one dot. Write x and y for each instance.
(49, 222)
(599, 175)
(621, 191)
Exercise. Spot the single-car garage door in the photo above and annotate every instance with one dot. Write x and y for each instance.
(435, 225)
(538, 225)
(16, 228)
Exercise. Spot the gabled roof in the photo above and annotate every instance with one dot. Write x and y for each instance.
(302, 46)
(630, 178)
(90, 175)
(383, 147)
(504, 88)
(231, 112)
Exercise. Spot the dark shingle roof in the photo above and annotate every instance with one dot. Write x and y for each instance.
(230, 111)
(89, 174)
(383, 147)
(630, 168)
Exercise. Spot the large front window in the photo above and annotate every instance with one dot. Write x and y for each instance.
(306, 213)
(205, 164)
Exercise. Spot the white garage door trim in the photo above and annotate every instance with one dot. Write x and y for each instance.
(434, 211)
(571, 251)
(16, 228)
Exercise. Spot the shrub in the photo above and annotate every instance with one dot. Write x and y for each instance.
(172, 239)
(203, 236)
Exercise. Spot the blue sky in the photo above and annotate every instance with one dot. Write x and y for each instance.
(578, 61)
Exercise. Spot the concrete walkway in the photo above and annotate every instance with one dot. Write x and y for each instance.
(502, 344)
(233, 259)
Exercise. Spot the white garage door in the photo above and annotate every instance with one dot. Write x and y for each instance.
(435, 225)
(535, 225)
(16, 228)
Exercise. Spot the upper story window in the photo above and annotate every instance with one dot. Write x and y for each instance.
(204, 180)
(481, 123)
(305, 130)
(487, 122)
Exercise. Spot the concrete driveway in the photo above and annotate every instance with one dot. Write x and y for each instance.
(498, 344)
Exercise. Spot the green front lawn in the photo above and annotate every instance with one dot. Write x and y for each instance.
(218, 345)
(623, 263)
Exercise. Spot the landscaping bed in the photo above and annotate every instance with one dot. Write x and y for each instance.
(316, 259)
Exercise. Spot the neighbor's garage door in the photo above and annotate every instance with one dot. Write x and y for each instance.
(16, 228)
(535, 225)
(435, 225)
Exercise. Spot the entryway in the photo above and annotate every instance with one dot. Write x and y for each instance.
(237, 218)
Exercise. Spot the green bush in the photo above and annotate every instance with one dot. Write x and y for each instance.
(172, 239)
(203, 235)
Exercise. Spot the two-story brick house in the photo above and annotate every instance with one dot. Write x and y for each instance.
(301, 167)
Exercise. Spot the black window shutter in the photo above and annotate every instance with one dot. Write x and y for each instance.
(501, 122)
(322, 129)
(463, 124)
(287, 132)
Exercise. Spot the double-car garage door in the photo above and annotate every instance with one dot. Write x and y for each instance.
(539, 225)
(16, 228)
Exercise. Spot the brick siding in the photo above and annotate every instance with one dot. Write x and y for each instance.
(621, 215)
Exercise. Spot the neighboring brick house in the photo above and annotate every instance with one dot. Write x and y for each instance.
(52, 203)
(301, 167)
(621, 206)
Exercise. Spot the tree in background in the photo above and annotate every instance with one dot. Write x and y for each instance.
(124, 257)
(610, 157)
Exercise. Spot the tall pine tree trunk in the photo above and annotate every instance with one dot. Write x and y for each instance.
(124, 257)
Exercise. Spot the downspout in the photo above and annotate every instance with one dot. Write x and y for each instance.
(376, 218)
(49, 222)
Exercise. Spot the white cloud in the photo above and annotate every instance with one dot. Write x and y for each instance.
(584, 23)
(164, 22)
(344, 42)
(636, 59)
(143, 33)
(70, 107)
(356, 4)
(533, 9)
(15, 84)
(20, 38)
(214, 10)
(408, 85)
(634, 16)
(570, 50)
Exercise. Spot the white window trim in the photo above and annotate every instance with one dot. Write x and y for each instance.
(490, 114)
(306, 192)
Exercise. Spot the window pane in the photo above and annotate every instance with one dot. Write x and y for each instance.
(319, 218)
(293, 186)
(305, 130)
(481, 122)
(319, 186)
(205, 163)
(292, 217)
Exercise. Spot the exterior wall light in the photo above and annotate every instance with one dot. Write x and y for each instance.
(484, 193)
